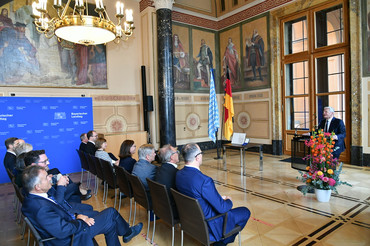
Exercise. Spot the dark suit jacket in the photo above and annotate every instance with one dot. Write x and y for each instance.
(127, 163)
(166, 174)
(192, 182)
(336, 126)
(90, 148)
(83, 147)
(53, 221)
(9, 161)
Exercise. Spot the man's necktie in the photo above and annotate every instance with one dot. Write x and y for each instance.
(62, 207)
(326, 126)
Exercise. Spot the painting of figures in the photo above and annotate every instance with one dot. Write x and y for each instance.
(28, 58)
(255, 70)
(230, 57)
(203, 57)
(180, 57)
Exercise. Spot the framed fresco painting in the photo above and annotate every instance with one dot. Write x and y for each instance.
(180, 58)
(230, 57)
(28, 58)
(255, 54)
(366, 37)
(203, 44)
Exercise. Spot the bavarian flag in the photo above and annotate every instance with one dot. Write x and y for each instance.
(229, 108)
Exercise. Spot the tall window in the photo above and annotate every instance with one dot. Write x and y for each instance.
(315, 71)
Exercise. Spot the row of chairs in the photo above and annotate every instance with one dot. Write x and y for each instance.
(191, 217)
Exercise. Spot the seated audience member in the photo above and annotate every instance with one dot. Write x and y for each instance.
(90, 146)
(10, 156)
(101, 145)
(166, 173)
(192, 182)
(143, 167)
(52, 220)
(84, 141)
(73, 192)
(128, 148)
(21, 151)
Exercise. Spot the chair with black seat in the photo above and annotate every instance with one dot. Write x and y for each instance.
(18, 206)
(162, 206)
(193, 222)
(99, 174)
(124, 186)
(84, 165)
(92, 170)
(110, 179)
(141, 197)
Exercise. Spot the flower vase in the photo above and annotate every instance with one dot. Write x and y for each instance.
(323, 195)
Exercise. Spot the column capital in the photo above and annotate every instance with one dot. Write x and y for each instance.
(163, 4)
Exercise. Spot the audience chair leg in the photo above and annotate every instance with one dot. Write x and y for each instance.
(153, 230)
(133, 223)
(88, 180)
(82, 174)
(104, 191)
(115, 197)
(119, 204)
(129, 219)
(182, 238)
(240, 242)
(95, 186)
(173, 235)
(147, 230)
(29, 237)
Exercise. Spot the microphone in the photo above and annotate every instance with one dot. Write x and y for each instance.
(304, 123)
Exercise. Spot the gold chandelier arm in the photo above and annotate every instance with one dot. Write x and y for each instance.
(65, 9)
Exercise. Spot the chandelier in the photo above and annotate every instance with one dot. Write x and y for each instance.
(78, 26)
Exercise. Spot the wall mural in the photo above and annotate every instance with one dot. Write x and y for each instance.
(230, 57)
(28, 58)
(180, 58)
(256, 60)
(203, 57)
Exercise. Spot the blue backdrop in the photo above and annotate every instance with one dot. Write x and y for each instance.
(53, 124)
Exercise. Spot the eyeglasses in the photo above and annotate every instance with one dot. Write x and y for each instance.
(45, 161)
(176, 152)
(200, 153)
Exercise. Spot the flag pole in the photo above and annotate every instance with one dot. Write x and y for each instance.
(219, 142)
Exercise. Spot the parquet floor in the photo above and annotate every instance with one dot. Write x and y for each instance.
(281, 215)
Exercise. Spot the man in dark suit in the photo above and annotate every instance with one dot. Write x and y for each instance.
(52, 220)
(73, 192)
(166, 173)
(332, 124)
(84, 141)
(90, 146)
(192, 182)
(10, 157)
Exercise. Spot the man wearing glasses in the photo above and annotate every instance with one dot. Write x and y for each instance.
(72, 191)
(192, 182)
(90, 146)
(166, 173)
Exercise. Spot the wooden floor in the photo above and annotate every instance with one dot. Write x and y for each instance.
(281, 215)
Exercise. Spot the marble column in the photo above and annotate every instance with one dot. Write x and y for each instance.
(166, 100)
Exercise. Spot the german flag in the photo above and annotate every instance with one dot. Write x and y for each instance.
(229, 108)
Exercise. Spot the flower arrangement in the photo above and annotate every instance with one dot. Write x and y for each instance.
(323, 171)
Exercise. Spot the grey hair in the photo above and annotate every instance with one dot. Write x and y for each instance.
(30, 177)
(144, 150)
(23, 148)
(165, 153)
(331, 109)
(189, 152)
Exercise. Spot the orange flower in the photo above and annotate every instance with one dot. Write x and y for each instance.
(330, 171)
(308, 181)
(308, 168)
